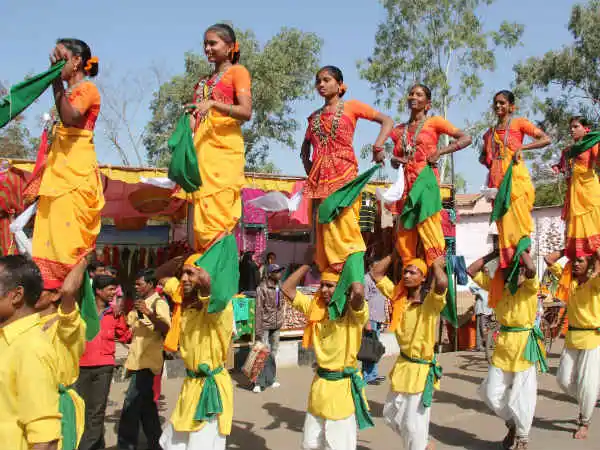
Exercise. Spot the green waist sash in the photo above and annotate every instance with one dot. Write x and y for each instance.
(68, 424)
(209, 404)
(533, 350)
(363, 417)
(572, 328)
(434, 374)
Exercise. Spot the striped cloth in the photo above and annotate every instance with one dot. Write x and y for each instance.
(12, 182)
(368, 212)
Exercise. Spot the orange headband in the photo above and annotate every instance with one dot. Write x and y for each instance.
(330, 276)
(191, 261)
(419, 264)
(88, 65)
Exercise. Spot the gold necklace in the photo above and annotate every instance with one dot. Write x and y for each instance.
(317, 128)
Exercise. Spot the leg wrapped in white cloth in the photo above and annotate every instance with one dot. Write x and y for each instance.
(207, 438)
(324, 434)
(579, 376)
(512, 396)
(407, 416)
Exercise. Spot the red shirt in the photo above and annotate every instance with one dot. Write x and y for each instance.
(101, 350)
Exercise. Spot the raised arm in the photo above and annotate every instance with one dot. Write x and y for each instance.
(461, 140)
(386, 127)
(69, 292)
(439, 275)
(529, 265)
(477, 266)
(293, 281)
(552, 258)
(380, 268)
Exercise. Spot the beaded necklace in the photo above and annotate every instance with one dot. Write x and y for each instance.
(496, 152)
(411, 147)
(206, 87)
(317, 128)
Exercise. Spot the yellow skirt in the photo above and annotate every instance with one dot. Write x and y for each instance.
(339, 239)
(427, 237)
(71, 198)
(517, 222)
(583, 217)
(218, 204)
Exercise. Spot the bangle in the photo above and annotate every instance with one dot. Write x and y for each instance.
(230, 109)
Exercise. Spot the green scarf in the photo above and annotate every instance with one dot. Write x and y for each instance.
(344, 197)
(423, 201)
(23, 94)
(513, 277)
(209, 404)
(502, 200)
(353, 272)
(89, 311)
(449, 312)
(221, 263)
(584, 144)
(183, 169)
(361, 410)
(533, 350)
(68, 422)
(434, 374)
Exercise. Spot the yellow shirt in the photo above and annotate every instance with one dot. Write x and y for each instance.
(28, 386)
(67, 334)
(517, 310)
(416, 336)
(205, 339)
(146, 349)
(336, 344)
(583, 311)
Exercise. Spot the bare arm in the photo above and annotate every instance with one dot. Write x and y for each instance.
(69, 115)
(552, 258)
(541, 140)
(241, 111)
(477, 266)
(439, 275)
(69, 292)
(293, 281)
(380, 268)
(387, 124)
(305, 156)
(529, 266)
(462, 140)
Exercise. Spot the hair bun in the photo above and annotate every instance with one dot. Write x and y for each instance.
(92, 66)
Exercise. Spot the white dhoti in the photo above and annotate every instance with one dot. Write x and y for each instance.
(512, 396)
(207, 438)
(579, 376)
(407, 416)
(325, 434)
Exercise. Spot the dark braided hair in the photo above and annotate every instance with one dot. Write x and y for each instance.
(337, 75)
(79, 48)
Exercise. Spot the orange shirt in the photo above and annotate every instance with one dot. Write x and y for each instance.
(234, 82)
(85, 97)
(425, 146)
(334, 161)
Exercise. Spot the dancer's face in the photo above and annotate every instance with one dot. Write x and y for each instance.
(327, 290)
(327, 86)
(502, 107)
(577, 130)
(412, 277)
(580, 266)
(417, 100)
(215, 48)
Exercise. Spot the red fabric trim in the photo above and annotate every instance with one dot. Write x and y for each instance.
(578, 247)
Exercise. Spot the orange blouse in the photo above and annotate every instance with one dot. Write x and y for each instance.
(518, 129)
(334, 161)
(85, 97)
(426, 145)
(234, 82)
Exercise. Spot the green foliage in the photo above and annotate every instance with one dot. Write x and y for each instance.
(16, 142)
(573, 69)
(427, 41)
(460, 183)
(550, 194)
(282, 73)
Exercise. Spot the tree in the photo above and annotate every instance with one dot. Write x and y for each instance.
(16, 142)
(460, 183)
(429, 41)
(282, 72)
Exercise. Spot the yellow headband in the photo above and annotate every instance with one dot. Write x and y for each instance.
(419, 264)
(192, 259)
(330, 276)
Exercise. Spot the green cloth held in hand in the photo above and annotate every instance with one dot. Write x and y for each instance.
(23, 94)
(353, 272)
(68, 421)
(183, 169)
(357, 385)
(533, 350)
(221, 263)
(502, 200)
(449, 312)
(89, 311)
(513, 277)
(423, 201)
(210, 403)
(434, 374)
(344, 197)
(584, 144)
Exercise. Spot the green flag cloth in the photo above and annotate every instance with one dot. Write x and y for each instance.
(21, 95)
(513, 277)
(221, 263)
(345, 196)
(434, 374)
(357, 385)
(533, 350)
(89, 311)
(423, 201)
(584, 144)
(449, 312)
(67, 422)
(209, 404)
(502, 200)
(183, 169)
(353, 272)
